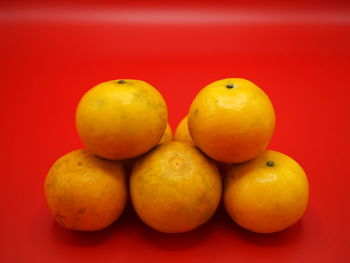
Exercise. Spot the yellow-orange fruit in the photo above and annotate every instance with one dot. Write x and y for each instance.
(85, 192)
(231, 120)
(121, 119)
(175, 188)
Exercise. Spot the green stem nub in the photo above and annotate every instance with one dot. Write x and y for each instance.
(121, 81)
(229, 86)
(270, 163)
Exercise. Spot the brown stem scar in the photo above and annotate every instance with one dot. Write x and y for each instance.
(270, 163)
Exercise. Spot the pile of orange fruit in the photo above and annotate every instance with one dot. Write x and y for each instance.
(175, 183)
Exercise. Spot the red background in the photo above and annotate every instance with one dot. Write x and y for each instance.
(299, 53)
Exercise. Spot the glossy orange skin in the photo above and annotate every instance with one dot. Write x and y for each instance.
(263, 198)
(231, 120)
(175, 188)
(121, 119)
(85, 192)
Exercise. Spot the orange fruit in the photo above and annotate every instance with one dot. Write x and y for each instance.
(85, 192)
(168, 134)
(121, 119)
(175, 188)
(232, 120)
(266, 194)
(182, 134)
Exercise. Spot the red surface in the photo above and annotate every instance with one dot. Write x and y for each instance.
(298, 53)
